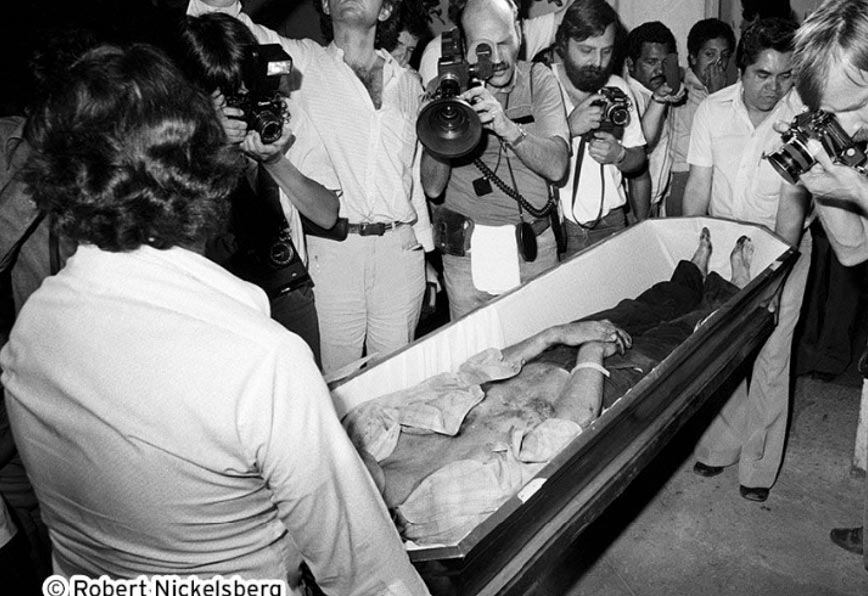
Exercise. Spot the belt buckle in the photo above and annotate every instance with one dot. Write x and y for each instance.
(372, 229)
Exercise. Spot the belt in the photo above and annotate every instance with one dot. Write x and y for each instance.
(374, 228)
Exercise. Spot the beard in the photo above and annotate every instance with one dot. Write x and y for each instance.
(589, 79)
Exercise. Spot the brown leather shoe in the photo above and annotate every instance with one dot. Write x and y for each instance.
(707, 471)
(848, 538)
(757, 494)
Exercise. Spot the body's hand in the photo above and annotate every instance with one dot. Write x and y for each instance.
(585, 117)
(490, 112)
(605, 148)
(583, 332)
(715, 77)
(231, 119)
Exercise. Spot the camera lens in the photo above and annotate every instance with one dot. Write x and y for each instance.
(619, 116)
(269, 126)
(449, 127)
(793, 159)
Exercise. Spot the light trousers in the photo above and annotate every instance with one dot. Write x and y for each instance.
(368, 292)
(752, 426)
(458, 279)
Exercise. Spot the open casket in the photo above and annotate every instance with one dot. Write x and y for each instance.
(509, 549)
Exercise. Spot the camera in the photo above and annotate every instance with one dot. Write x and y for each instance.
(616, 112)
(448, 126)
(262, 104)
(794, 159)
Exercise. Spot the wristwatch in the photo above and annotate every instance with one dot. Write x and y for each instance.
(522, 135)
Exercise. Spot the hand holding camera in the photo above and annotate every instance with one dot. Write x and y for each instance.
(795, 158)
(489, 110)
(604, 148)
(586, 116)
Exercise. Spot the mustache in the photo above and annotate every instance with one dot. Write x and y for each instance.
(587, 78)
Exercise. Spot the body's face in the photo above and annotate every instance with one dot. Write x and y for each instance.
(407, 43)
(496, 26)
(364, 13)
(713, 51)
(767, 80)
(588, 62)
(846, 95)
(648, 67)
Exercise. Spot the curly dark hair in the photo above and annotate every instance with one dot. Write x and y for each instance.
(650, 32)
(705, 30)
(765, 34)
(212, 50)
(126, 152)
(387, 31)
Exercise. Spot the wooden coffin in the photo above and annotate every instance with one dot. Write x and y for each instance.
(509, 549)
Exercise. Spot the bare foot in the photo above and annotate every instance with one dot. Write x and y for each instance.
(740, 258)
(703, 252)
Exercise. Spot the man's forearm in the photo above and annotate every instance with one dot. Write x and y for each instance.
(546, 156)
(847, 232)
(634, 160)
(652, 123)
(434, 175)
(311, 198)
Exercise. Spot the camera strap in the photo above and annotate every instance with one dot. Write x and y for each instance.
(580, 157)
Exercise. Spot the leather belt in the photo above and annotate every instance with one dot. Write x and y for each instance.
(374, 228)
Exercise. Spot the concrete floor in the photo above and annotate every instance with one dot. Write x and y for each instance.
(677, 533)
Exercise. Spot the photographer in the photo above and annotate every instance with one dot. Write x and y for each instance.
(732, 132)
(267, 244)
(369, 280)
(592, 196)
(497, 205)
(831, 57)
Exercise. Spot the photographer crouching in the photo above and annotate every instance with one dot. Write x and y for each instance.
(831, 59)
(494, 137)
(286, 180)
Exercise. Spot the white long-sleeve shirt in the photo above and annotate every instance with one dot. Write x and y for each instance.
(372, 150)
(170, 427)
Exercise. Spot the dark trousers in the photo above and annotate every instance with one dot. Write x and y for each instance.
(829, 312)
(659, 319)
(296, 310)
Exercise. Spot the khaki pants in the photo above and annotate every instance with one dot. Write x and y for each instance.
(752, 425)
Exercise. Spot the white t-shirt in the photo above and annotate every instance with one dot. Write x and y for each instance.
(599, 189)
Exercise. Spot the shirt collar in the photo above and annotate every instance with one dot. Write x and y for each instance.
(691, 80)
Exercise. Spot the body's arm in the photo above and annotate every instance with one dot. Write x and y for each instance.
(582, 397)
(570, 334)
(697, 191)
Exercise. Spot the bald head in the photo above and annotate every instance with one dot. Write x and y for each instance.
(496, 23)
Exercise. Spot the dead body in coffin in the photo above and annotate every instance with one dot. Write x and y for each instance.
(622, 266)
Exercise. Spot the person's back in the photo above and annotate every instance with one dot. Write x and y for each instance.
(127, 396)
(168, 425)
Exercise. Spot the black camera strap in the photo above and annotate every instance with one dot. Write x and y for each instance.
(580, 157)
